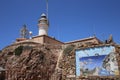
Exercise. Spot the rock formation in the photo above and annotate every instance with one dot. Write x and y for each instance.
(29, 61)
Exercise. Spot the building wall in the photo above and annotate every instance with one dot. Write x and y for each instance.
(49, 40)
(46, 40)
(83, 42)
(38, 39)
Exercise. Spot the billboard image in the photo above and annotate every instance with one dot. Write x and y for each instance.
(97, 61)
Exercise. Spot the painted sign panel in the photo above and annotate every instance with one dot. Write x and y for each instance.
(97, 61)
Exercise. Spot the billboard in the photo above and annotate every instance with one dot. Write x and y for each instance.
(97, 61)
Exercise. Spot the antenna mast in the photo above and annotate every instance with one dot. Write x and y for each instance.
(47, 8)
(94, 33)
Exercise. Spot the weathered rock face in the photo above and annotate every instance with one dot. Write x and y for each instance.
(36, 62)
(67, 63)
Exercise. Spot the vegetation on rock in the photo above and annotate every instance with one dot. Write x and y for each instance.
(18, 50)
(68, 49)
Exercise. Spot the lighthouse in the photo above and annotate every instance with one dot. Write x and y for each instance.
(43, 25)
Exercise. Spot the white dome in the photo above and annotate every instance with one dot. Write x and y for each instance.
(43, 14)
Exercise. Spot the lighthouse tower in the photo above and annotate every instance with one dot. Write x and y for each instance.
(43, 25)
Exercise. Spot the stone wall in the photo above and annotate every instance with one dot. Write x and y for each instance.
(67, 64)
(117, 47)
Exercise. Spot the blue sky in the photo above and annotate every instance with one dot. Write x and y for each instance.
(69, 19)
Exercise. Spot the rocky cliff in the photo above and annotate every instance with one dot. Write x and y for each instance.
(30, 61)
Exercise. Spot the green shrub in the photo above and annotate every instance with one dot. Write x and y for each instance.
(68, 49)
(18, 50)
